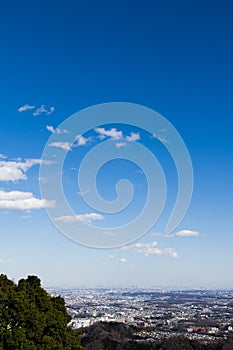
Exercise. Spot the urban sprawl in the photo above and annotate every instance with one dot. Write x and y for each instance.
(158, 314)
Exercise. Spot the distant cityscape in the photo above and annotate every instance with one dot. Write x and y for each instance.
(158, 314)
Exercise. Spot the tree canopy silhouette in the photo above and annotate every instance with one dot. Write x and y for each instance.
(31, 319)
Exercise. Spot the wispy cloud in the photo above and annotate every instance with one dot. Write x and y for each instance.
(151, 248)
(109, 233)
(2, 156)
(114, 134)
(26, 217)
(16, 170)
(42, 109)
(110, 256)
(120, 144)
(51, 129)
(183, 233)
(82, 141)
(123, 260)
(84, 192)
(161, 138)
(43, 180)
(5, 261)
(79, 139)
(25, 108)
(66, 146)
(187, 233)
(17, 200)
(81, 218)
(38, 110)
(111, 133)
(51, 110)
(134, 136)
(126, 247)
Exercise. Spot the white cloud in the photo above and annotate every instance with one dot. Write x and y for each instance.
(16, 170)
(157, 251)
(10, 171)
(26, 107)
(56, 131)
(42, 109)
(125, 247)
(123, 260)
(25, 217)
(81, 218)
(66, 146)
(112, 133)
(43, 180)
(115, 134)
(109, 233)
(4, 261)
(84, 192)
(160, 138)
(151, 248)
(107, 257)
(183, 233)
(81, 140)
(2, 156)
(187, 233)
(110, 257)
(139, 245)
(51, 129)
(28, 163)
(17, 200)
(51, 110)
(134, 136)
(38, 111)
(120, 144)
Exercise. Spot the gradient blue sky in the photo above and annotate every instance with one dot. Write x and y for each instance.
(172, 56)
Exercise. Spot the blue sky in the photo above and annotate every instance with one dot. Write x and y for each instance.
(173, 57)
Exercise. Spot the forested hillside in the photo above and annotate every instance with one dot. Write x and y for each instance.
(117, 336)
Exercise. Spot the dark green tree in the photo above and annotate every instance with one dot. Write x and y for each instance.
(30, 319)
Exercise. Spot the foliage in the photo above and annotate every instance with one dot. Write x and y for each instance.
(115, 336)
(31, 319)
